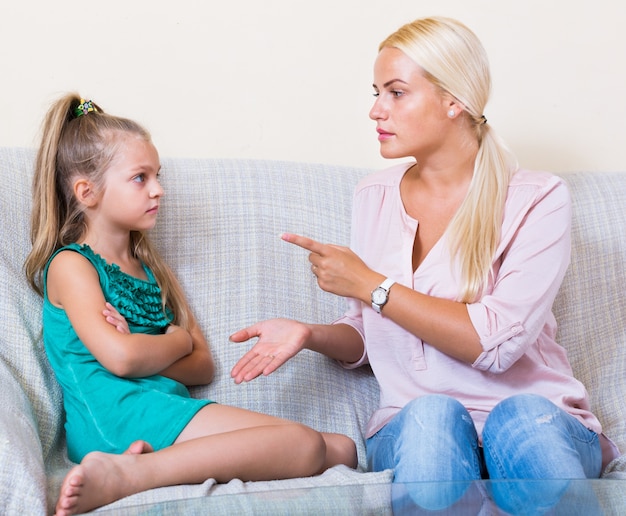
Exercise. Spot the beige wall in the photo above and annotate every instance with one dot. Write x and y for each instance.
(291, 79)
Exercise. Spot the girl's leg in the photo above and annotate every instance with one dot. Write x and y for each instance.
(528, 437)
(340, 449)
(432, 439)
(220, 442)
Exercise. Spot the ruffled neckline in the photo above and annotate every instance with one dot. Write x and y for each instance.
(137, 300)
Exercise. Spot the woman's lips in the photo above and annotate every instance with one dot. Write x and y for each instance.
(383, 135)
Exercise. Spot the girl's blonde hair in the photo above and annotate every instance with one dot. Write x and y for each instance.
(75, 147)
(454, 60)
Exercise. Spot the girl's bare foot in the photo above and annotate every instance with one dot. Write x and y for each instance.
(99, 479)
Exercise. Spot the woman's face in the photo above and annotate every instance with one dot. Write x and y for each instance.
(410, 112)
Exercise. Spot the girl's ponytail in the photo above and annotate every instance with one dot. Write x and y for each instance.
(49, 208)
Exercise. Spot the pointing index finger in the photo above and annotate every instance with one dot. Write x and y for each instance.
(306, 243)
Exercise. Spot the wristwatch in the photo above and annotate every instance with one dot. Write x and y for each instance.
(380, 295)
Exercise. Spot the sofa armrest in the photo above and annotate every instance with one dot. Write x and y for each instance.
(22, 471)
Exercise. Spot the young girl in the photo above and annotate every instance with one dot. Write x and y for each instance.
(120, 335)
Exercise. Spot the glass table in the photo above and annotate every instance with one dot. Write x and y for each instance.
(485, 498)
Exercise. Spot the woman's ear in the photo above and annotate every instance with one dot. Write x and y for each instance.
(453, 107)
(85, 192)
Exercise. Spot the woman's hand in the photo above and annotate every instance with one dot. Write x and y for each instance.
(279, 340)
(113, 317)
(338, 269)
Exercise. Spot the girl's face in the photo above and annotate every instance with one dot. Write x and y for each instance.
(410, 112)
(130, 199)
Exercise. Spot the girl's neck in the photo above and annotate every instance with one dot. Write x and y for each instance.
(114, 249)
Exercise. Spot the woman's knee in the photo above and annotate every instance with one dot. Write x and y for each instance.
(525, 403)
(431, 438)
(432, 417)
(520, 410)
(434, 407)
(528, 436)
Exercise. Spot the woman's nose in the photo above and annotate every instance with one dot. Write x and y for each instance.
(377, 111)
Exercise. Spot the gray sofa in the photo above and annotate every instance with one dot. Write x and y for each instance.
(219, 231)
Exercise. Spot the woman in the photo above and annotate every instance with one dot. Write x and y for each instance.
(456, 258)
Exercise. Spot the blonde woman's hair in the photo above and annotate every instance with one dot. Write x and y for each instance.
(454, 60)
(75, 147)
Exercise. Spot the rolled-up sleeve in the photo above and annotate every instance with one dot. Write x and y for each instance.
(353, 318)
(531, 262)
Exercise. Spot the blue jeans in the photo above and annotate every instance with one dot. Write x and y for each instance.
(433, 439)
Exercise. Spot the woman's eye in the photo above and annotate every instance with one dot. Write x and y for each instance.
(376, 94)
(397, 93)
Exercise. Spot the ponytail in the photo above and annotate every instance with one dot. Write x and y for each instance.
(474, 231)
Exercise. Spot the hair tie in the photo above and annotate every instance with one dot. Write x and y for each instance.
(483, 120)
(85, 106)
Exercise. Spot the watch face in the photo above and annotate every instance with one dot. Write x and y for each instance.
(379, 296)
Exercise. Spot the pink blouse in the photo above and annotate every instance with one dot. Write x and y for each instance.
(513, 317)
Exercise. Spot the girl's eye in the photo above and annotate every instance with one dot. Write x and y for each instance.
(139, 178)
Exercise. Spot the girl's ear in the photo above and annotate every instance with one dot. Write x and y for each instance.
(85, 193)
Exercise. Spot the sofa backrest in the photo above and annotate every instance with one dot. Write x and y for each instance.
(219, 230)
(591, 305)
(21, 348)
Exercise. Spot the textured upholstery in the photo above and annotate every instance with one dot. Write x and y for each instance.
(219, 230)
(591, 305)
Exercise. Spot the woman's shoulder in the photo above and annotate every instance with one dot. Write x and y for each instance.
(538, 184)
(523, 177)
(390, 176)
(530, 188)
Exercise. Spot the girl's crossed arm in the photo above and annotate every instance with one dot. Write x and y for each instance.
(197, 368)
(73, 285)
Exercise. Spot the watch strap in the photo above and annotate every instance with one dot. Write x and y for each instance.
(387, 284)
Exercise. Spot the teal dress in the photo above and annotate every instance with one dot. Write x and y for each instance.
(105, 412)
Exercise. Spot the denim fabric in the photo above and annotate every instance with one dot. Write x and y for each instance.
(526, 436)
